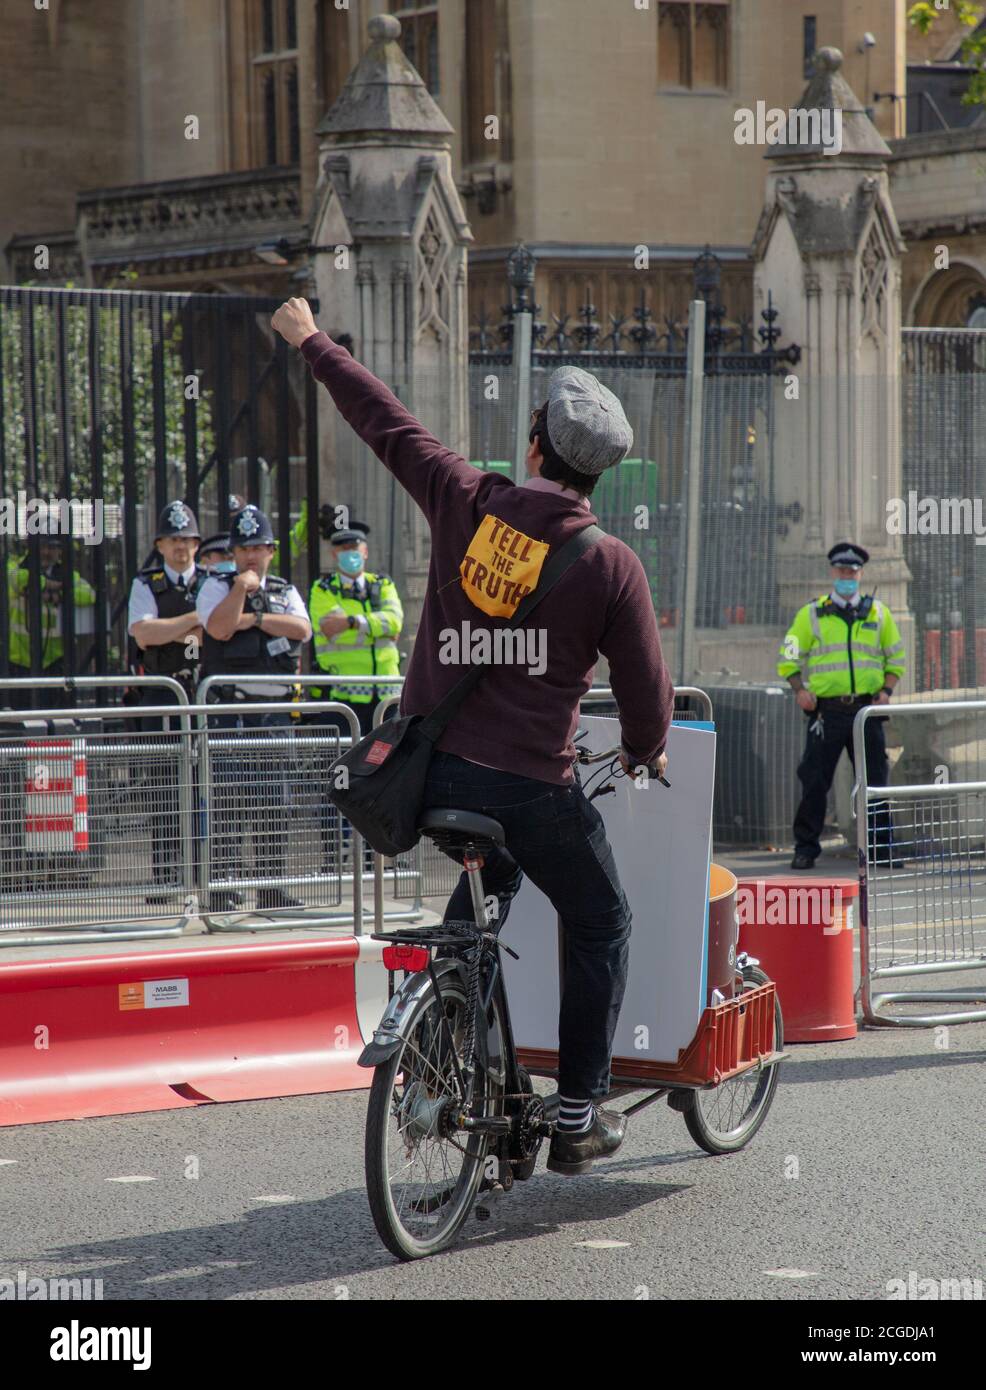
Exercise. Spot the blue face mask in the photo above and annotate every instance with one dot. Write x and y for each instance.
(224, 567)
(847, 588)
(350, 561)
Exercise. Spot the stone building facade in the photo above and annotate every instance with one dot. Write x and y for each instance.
(174, 146)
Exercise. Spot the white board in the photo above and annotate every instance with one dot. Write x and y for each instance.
(661, 839)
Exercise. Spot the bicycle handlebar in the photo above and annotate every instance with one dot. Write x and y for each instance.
(583, 756)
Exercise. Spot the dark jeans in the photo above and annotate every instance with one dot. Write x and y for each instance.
(829, 732)
(556, 837)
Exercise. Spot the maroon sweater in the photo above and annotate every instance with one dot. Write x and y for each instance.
(488, 538)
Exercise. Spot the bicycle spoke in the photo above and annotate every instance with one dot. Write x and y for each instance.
(426, 1180)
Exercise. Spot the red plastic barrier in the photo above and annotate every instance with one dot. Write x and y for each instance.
(801, 931)
(934, 666)
(156, 1030)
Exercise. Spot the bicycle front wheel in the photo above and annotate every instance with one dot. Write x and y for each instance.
(422, 1173)
(724, 1119)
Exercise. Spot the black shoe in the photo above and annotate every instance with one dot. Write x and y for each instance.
(802, 861)
(574, 1153)
(225, 900)
(270, 898)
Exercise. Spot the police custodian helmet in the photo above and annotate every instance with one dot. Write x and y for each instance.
(251, 527)
(177, 520)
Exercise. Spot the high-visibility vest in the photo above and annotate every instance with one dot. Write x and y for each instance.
(298, 537)
(52, 646)
(833, 659)
(353, 652)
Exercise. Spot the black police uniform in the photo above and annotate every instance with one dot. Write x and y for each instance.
(171, 600)
(248, 653)
(171, 658)
(246, 784)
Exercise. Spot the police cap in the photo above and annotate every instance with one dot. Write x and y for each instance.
(849, 554)
(215, 545)
(355, 531)
(251, 527)
(177, 520)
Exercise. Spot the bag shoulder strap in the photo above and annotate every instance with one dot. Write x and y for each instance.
(562, 560)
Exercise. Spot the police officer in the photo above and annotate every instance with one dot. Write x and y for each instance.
(21, 618)
(357, 616)
(255, 624)
(849, 650)
(165, 627)
(216, 555)
(162, 618)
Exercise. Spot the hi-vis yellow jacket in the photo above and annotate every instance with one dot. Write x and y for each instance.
(353, 652)
(52, 645)
(831, 659)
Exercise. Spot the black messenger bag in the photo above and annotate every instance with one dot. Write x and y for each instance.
(387, 768)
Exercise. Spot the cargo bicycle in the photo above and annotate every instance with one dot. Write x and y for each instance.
(453, 1119)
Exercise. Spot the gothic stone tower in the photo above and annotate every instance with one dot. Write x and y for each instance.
(389, 265)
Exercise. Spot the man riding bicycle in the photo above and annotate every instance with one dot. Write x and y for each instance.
(509, 749)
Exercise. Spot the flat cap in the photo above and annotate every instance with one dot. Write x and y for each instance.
(849, 554)
(587, 426)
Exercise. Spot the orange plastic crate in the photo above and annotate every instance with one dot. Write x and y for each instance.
(731, 1038)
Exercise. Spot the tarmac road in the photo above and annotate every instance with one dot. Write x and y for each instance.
(868, 1168)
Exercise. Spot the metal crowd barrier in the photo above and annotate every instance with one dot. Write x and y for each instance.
(321, 749)
(68, 683)
(925, 915)
(99, 827)
(52, 850)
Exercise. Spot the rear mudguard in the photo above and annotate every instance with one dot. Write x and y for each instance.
(400, 1014)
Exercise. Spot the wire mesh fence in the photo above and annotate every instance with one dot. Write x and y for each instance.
(95, 827)
(924, 908)
(219, 812)
(943, 385)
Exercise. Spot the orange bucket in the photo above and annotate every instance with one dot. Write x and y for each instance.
(723, 932)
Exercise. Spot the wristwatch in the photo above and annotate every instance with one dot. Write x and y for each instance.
(258, 618)
(352, 620)
(888, 690)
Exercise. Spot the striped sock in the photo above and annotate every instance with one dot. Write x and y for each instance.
(574, 1116)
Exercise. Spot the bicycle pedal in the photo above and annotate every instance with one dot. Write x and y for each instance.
(493, 1191)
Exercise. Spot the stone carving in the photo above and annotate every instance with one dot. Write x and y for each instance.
(433, 283)
(873, 277)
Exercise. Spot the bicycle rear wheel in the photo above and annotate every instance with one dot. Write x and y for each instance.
(422, 1174)
(725, 1118)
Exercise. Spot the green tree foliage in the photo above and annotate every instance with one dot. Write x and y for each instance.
(78, 447)
(923, 16)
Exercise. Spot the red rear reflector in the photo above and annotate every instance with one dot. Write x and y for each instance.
(406, 957)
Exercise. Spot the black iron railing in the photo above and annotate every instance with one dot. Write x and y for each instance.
(131, 399)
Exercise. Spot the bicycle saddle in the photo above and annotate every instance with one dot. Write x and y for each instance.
(458, 827)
